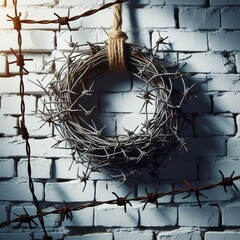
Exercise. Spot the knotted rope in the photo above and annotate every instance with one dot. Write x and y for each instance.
(116, 42)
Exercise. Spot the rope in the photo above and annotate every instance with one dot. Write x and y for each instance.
(116, 42)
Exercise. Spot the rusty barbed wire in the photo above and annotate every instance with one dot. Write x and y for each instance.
(66, 211)
(150, 197)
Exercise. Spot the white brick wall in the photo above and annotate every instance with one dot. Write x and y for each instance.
(204, 34)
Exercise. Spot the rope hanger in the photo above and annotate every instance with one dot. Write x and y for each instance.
(116, 42)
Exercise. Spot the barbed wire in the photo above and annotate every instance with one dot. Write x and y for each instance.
(66, 211)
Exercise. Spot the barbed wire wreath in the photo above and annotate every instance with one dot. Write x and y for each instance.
(124, 154)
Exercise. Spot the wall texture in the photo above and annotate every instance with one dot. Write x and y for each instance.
(204, 34)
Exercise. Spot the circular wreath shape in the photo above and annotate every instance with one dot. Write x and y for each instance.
(122, 155)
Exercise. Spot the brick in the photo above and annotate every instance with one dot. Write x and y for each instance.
(122, 103)
(223, 82)
(3, 65)
(230, 215)
(51, 220)
(152, 187)
(13, 236)
(224, 41)
(176, 41)
(129, 219)
(214, 125)
(36, 40)
(224, 103)
(4, 214)
(40, 13)
(179, 234)
(33, 2)
(71, 191)
(82, 218)
(158, 217)
(16, 147)
(204, 147)
(11, 104)
(41, 168)
(224, 2)
(199, 18)
(199, 103)
(133, 235)
(80, 37)
(64, 169)
(230, 18)
(185, 2)
(94, 236)
(31, 85)
(104, 190)
(40, 63)
(204, 63)
(71, 3)
(19, 191)
(7, 168)
(237, 56)
(217, 194)
(55, 236)
(7, 124)
(207, 216)
(222, 235)
(233, 145)
(157, 2)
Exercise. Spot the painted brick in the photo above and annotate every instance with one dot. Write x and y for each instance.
(176, 40)
(152, 187)
(94, 236)
(123, 102)
(200, 217)
(11, 84)
(55, 236)
(185, 2)
(71, 191)
(214, 125)
(157, 2)
(158, 217)
(7, 168)
(16, 147)
(40, 63)
(230, 215)
(227, 41)
(222, 235)
(4, 214)
(141, 235)
(223, 82)
(52, 220)
(82, 218)
(19, 191)
(224, 103)
(129, 219)
(80, 37)
(33, 2)
(41, 168)
(3, 65)
(199, 18)
(13, 236)
(104, 190)
(224, 2)
(180, 234)
(63, 168)
(36, 40)
(11, 104)
(233, 145)
(215, 195)
(204, 147)
(237, 57)
(42, 12)
(7, 124)
(204, 63)
(230, 18)
(70, 3)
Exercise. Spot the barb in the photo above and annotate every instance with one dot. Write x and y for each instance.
(123, 201)
(228, 181)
